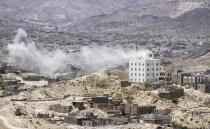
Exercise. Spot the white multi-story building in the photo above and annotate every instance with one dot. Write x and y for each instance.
(143, 67)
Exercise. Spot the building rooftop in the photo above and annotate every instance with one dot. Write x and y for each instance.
(144, 54)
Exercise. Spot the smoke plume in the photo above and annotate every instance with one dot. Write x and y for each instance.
(90, 59)
(28, 56)
(100, 58)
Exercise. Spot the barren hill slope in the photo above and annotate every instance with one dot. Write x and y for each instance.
(141, 15)
(61, 11)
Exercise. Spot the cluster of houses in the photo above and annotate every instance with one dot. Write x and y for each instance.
(103, 110)
(9, 86)
(197, 81)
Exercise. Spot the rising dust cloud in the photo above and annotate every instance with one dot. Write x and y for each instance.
(92, 59)
(28, 56)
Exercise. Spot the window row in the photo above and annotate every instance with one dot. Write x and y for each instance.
(135, 74)
(142, 80)
(157, 64)
(135, 69)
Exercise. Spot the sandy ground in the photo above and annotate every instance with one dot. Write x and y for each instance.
(2, 125)
(5, 125)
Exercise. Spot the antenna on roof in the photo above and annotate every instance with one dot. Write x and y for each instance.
(136, 47)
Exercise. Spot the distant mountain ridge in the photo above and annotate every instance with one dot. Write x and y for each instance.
(61, 11)
(72, 11)
(140, 15)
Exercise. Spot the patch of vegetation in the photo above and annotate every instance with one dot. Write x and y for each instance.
(136, 88)
(175, 100)
(6, 93)
(129, 99)
(146, 85)
(184, 127)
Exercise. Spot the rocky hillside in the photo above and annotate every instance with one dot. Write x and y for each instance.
(61, 11)
(142, 15)
(70, 11)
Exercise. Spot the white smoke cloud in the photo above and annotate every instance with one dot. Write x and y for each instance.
(28, 56)
(100, 58)
(89, 59)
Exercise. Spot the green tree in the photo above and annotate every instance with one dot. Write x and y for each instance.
(184, 127)
(129, 99)
(174, 100)
(146, 84)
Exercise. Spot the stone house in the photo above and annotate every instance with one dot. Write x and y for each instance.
(166, 74)
(60, 108)
(109, 108)
(100, 99)
(156, 118)
(171, 92)
(118, 120)
(203, 84)
(145, 109)
(125, 83)
(136, 110)
(79, 104)
(10, 85)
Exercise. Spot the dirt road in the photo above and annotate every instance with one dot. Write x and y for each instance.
(5, 125)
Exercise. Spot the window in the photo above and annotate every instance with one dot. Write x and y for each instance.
(139, 74)
(139, 64)
(135, 69)
(147, 64)
(147, 74)
(142, 69)
(131, 74)
(139, 69)
(147, 69)
(135, 74)
(157, 69)
(131, 64)
(143, 64)
(143, 80)
(157, 64)
(135, 63)
(131, 69)
(142, 74)
(157, 74)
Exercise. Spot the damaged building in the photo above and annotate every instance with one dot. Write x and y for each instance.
(166, 74)
(171, 92)
(61, 108)
(79, 104)
(137, 110)
(107, 105)
(10, 86)
(197, 81)
(156, 119)
(32, 77)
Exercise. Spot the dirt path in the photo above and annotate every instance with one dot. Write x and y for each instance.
(5, 125)
(2, 125)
